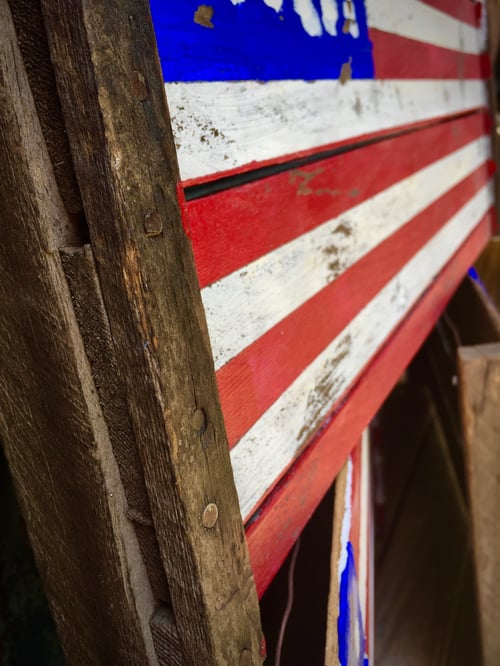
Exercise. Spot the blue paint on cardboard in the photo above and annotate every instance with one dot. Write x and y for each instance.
(350, 623)
(250, 40)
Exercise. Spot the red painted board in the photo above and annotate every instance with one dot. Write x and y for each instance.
(253, 380)
(273, 530)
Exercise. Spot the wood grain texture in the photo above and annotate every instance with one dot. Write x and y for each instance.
(28, 22)
(79, 267)
(114, 107)
(479, 369)
(51, 424)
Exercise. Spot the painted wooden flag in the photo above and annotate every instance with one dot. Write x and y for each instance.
(335, 164)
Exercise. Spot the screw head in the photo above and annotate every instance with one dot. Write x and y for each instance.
(210, 515)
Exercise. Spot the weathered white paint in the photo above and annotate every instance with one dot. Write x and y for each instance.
(329, 16)
(244, 305)
(272, 443)
(346, 521)
(416, 20)
(309, 17)
(274, 4)
(225, 125)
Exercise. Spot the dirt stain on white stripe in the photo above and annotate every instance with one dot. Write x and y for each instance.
(322, 395)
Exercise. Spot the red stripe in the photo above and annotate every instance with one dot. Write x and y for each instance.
(467, 11)
(397, 57)
(277, 525)
(232, 228)
(253, 380)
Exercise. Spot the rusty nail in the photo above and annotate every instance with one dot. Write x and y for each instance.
(210, 515)
(152, 224)
(199, 421)
(138, 85)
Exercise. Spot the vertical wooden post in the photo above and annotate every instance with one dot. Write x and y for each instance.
(51, 424)
(480, 395)
(114, 107)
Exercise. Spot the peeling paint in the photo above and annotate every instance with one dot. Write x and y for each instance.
(203, 16)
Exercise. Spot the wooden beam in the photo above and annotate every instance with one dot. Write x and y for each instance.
(114, 106)
(51, 425)
(480, 395)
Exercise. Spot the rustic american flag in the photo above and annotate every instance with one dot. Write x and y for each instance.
(336, 184)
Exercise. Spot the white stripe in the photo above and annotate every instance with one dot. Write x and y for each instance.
(416, 20)
(245, 304)
(275, 439)
(219, 126)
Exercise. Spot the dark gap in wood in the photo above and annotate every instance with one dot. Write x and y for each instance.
(391, 519)
(304, 639)
(425, 609)
(213, 187)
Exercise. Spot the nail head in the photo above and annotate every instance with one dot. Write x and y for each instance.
(210, 515)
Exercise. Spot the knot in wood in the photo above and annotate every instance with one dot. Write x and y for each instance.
(210, 515)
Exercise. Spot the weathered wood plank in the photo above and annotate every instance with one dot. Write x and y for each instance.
(28, 22)
(51, 424)
(114, 106)
(480, 395)
(79, 267)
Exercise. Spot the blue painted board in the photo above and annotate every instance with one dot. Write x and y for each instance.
(251, 40)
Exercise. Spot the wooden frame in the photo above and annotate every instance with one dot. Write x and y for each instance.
(114, 111)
